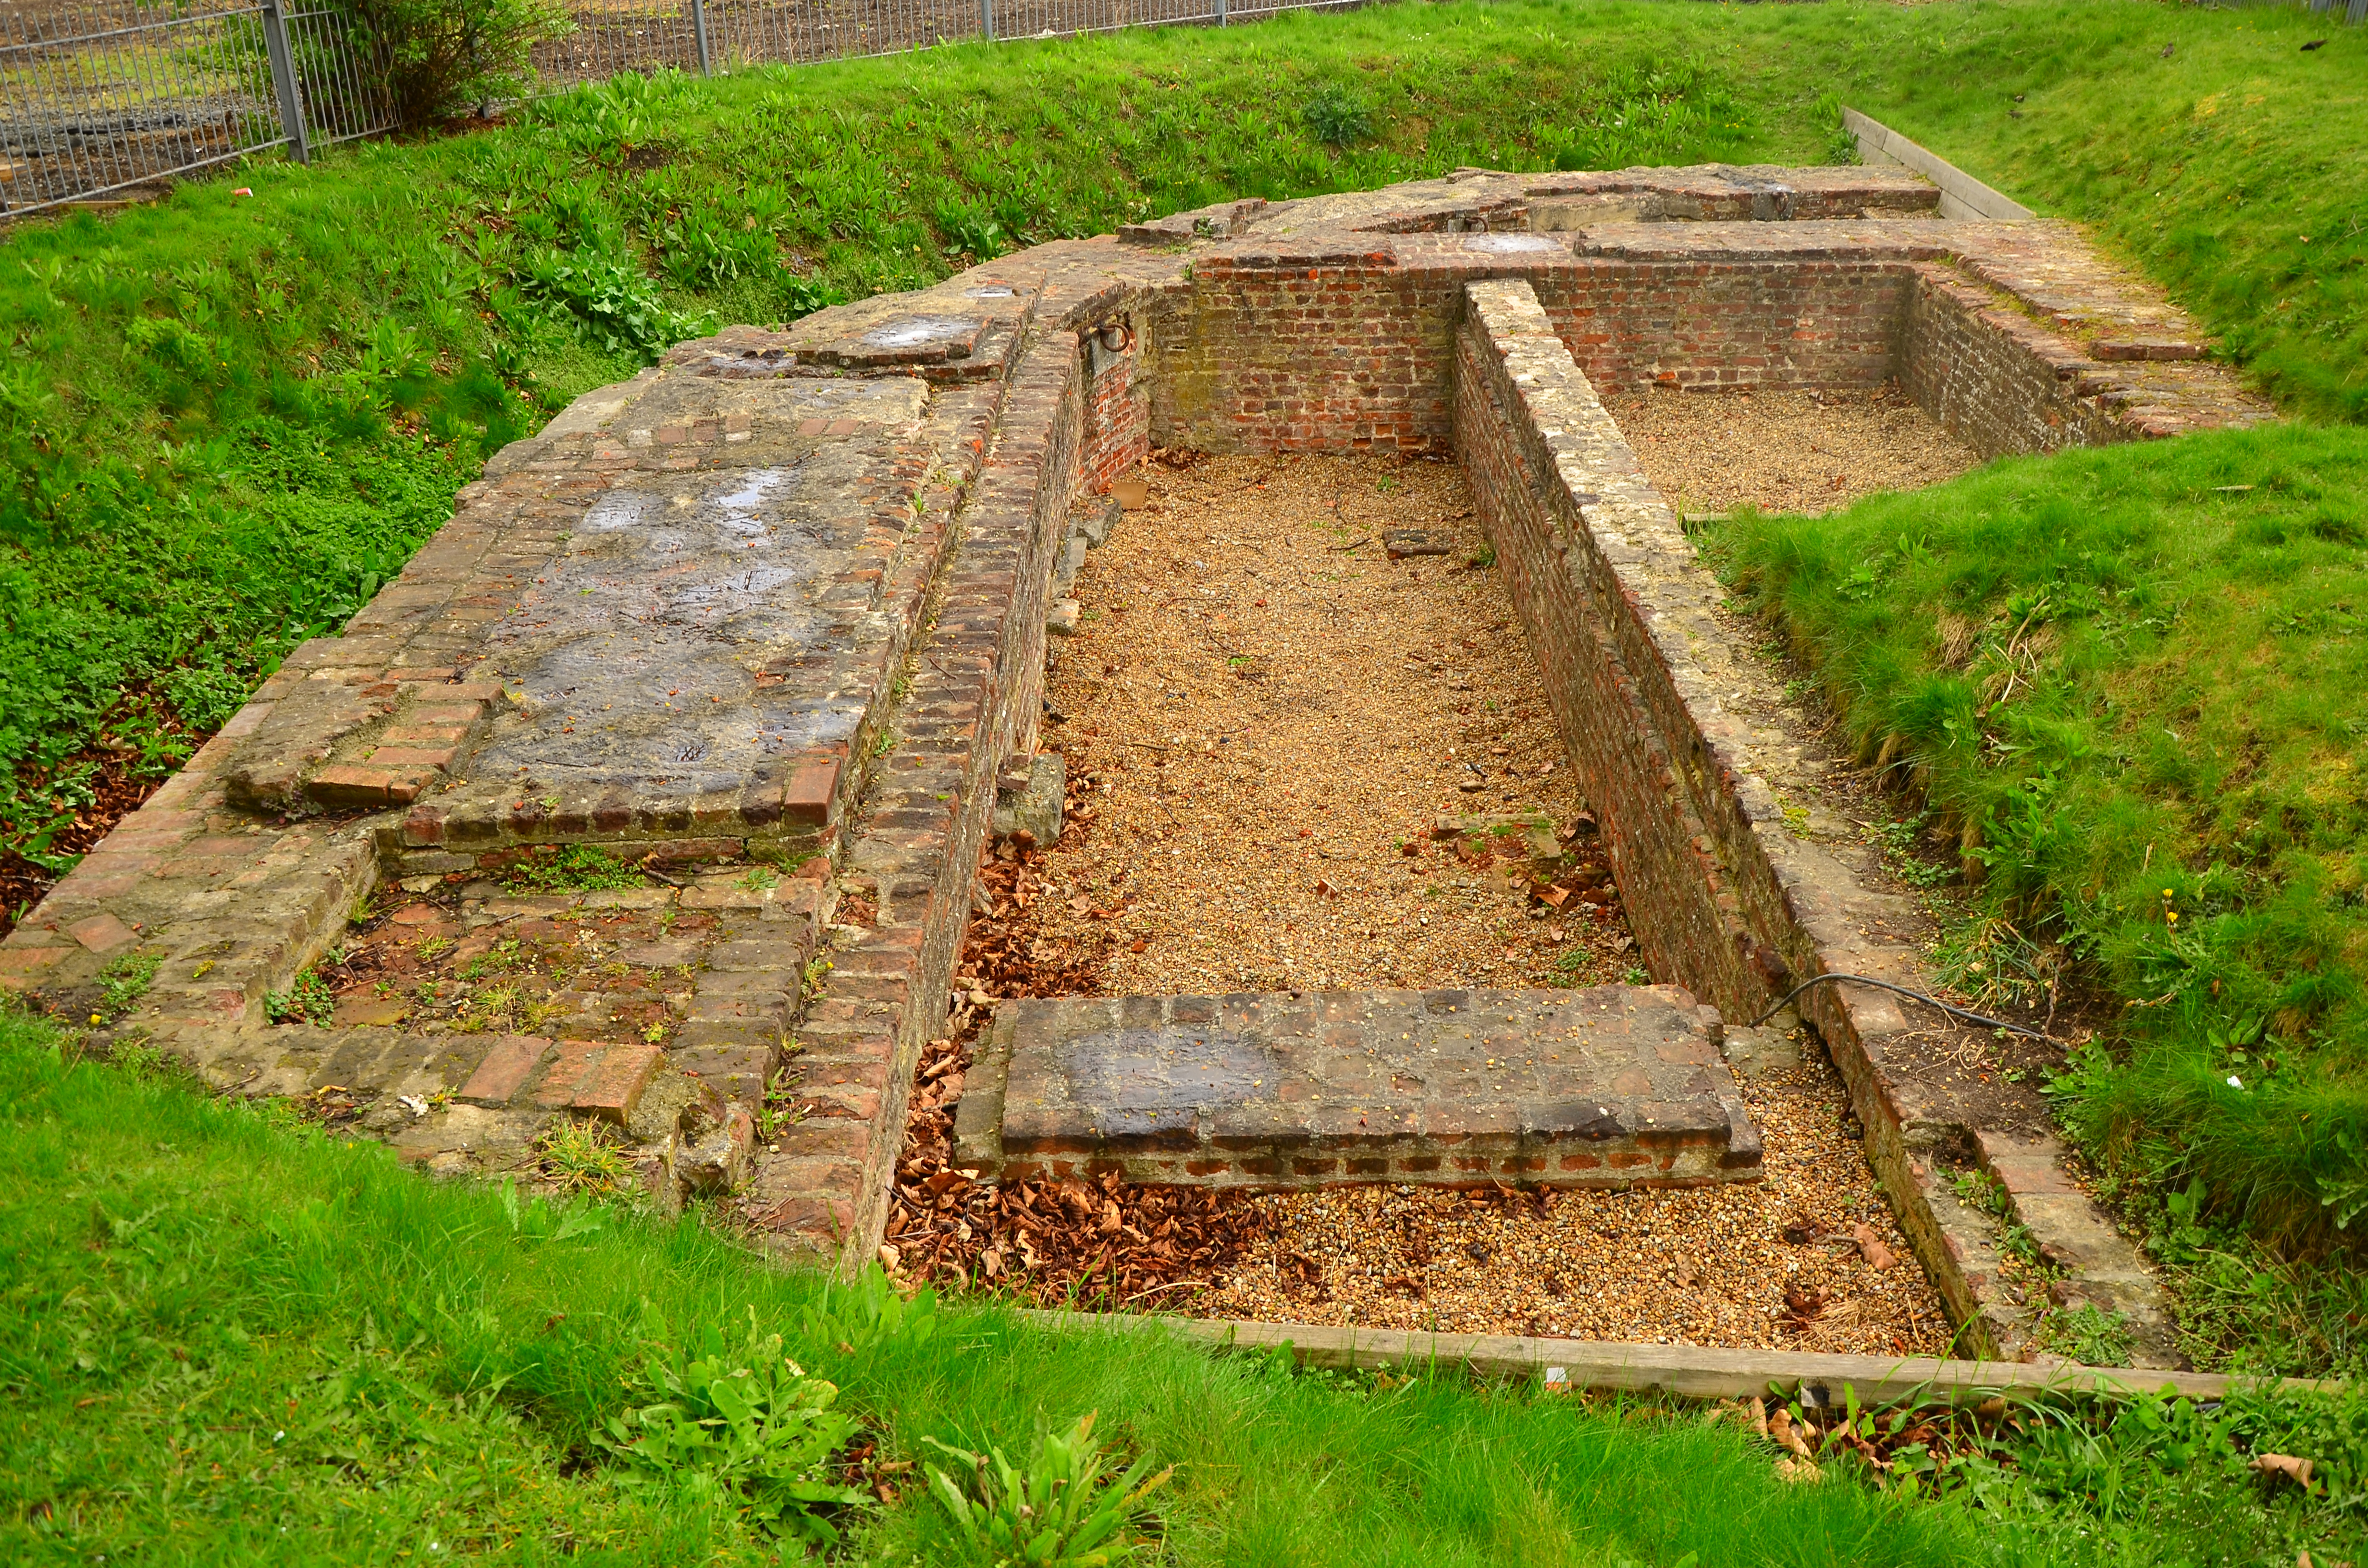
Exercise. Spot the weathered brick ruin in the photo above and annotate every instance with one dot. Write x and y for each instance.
(768, 620)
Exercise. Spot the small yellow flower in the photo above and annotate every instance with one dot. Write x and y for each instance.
(2165, 892)
(2172, 917)
(97, 1019)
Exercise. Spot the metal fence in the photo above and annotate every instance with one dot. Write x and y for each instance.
(97, 97)
(100, 97)
(694, 35)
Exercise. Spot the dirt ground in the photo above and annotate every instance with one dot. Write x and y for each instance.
(1265, 721)
(1784, 452)
(1272, 720)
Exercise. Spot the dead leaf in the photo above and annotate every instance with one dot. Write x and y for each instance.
(1787, 1437)
(1870, 1245)
(2295, 1470)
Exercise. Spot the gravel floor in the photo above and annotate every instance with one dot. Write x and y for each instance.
(1785, 451)
(1263, 713)
(1272, 717)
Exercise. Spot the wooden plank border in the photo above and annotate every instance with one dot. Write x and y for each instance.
(1686, 1370)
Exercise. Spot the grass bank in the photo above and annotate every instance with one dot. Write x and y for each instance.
(230, 1337)
(227, 1330)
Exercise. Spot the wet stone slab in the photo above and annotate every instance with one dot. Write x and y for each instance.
(1610, 1087)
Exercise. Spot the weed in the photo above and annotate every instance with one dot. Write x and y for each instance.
(1061, 1508)
(744, 1418)
(2089, 1336)
(869, 1315)
(308, 1001)
(126, 980)
(576, 867)
(1336, 119)
(758, 879)
(1901, 839)
(582, 1157)
(1984, 1193)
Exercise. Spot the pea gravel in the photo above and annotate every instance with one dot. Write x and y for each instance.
(1260, 711)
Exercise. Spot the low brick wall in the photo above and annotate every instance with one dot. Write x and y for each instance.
(1724, 897)
(975, 688)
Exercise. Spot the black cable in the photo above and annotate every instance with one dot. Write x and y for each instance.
(1951, 1010)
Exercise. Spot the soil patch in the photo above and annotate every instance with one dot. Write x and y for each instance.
(1785, 451)
(1275, 724)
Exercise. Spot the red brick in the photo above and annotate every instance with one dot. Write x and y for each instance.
(505, 1070)
(612, 1087)
(567, 1065)
(101, 933)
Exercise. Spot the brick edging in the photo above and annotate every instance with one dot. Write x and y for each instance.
(1726, 899)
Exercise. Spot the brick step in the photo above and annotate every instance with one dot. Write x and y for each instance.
(1610, 1087)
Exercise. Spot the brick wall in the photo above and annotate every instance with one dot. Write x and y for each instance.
(1337, 351)
(1722, 323)
(1997, 379)
(1611, 690)
(977, 685)
(1118, 409)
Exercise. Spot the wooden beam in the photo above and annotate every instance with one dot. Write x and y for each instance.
(1689, 1371)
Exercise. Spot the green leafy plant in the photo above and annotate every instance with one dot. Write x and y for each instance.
(1060, 1510)
(574, 868)
(1336, 119)
(307, 1000)
(740, 1419)
(125, 980)
(612, 305)
(859, 1317)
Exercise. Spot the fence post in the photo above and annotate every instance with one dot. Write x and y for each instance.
(1221, 13)
(283, 81)
(699, 26)
(986, 18)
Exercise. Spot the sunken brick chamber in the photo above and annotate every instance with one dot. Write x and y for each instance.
(769, 621)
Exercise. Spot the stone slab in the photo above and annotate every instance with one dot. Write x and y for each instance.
(1612, 1086)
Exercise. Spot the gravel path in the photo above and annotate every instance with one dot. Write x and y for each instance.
(1785, 451)
(1260, 715)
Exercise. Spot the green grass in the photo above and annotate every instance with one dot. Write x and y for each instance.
(2130, 682)
(227, 1337)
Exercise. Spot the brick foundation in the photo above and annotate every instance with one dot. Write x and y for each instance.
(866, 513)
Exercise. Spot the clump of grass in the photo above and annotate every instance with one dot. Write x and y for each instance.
(581, 1157)
(574, 868)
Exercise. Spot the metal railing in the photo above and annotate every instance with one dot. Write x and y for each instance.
(611, 36)
(97, 97)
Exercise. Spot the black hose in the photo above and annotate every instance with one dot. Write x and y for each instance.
(1950, 1009)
